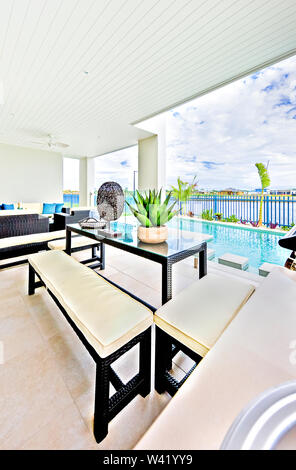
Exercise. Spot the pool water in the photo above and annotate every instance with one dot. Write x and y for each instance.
(259, 247)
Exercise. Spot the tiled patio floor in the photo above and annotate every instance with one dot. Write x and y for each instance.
(47, 378)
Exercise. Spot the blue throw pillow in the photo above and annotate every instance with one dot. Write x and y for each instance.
(8, 207)
(59, 207)
(48, 208)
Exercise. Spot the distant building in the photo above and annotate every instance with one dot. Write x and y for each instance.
(259, 190)
(282, 192)
(231, 192)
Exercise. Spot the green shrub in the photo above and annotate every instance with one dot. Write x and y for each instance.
(207, 214)
(286, 228)
(232, 219)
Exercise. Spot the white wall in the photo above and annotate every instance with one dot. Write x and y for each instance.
(29, 175)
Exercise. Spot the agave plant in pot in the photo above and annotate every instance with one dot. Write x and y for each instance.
(152, 215)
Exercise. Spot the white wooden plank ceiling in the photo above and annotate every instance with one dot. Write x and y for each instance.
(85, 70)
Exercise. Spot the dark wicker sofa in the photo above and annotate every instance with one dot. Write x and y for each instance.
(29, 224)
(19, 225)
(24, 224)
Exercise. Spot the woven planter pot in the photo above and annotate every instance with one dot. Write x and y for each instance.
(152, 234)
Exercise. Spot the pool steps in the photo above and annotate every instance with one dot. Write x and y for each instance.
(234, 261)
(266, 269)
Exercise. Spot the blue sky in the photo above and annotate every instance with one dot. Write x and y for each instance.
(220, 136)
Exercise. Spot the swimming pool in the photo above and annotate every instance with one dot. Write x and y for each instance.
(259, 247)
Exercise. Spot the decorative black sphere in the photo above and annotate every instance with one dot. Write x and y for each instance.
(110, 201)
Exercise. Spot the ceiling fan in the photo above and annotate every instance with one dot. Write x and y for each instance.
(50, 142)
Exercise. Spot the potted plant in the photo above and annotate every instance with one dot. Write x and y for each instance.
(152, 215)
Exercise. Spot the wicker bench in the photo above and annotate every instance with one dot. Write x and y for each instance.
(193, 321)
(13, 247)
(108, 322)
(80, 244)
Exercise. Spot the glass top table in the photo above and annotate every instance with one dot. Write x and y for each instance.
(179, 245)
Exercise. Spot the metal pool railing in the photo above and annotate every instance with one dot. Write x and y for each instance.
(280, 210)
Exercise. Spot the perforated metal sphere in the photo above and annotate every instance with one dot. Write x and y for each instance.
(110, 201)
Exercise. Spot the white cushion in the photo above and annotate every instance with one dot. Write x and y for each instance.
(200, 313)
(252, 355)
(83, 208)
(33, 238)
(76, 242)
(33, 206)
(17, 212)
(107, 317)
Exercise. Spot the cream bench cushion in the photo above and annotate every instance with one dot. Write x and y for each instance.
(200, 313)
(30, 239)
(77, 242)
(252, 355)
(107, 317)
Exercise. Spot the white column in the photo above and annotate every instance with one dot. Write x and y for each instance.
(86, 181)
(82, 182)
(91, 181)
(152, 155)
(148, 163)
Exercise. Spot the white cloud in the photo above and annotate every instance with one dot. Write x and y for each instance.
(248, 121)
(117, 166)
(220, 136)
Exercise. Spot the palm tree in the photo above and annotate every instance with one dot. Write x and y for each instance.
(183, 191)
(265, 182)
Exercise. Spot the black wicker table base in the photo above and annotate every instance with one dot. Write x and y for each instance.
(106, 407)
(166, 348)
(97, 259)
(30, 248)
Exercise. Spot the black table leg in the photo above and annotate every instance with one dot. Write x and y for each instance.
(166, 283)
(68, 241)
(102, 255)
(203, 261)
